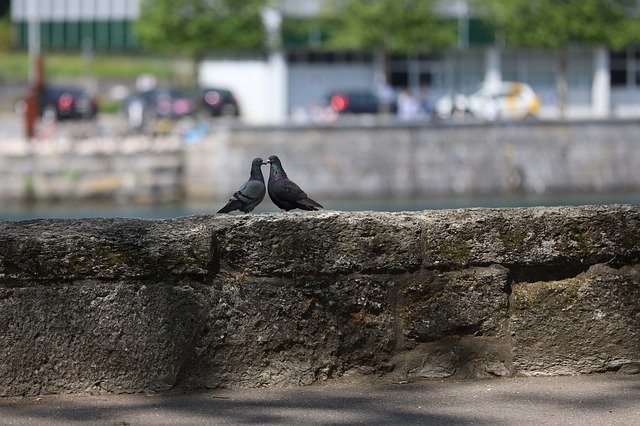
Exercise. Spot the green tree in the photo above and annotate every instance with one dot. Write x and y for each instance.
(194, 27)
(388, 26)
(554, 24)
(5, 34)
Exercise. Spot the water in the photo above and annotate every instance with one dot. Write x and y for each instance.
(164, 211)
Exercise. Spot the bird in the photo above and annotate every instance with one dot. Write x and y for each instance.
(251, 193)
(285, 193)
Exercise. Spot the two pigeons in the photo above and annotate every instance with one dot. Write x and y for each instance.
(283, 192)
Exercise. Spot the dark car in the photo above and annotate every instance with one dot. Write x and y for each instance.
(220, 102)
(165, 102)
(158, 103)
(354, 102)
(63, 103)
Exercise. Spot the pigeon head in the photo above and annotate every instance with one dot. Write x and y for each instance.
(276, 165)
(273, 159)
(256, 163)
(256, 171)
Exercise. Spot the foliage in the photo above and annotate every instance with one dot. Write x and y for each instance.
(15, 65)
(5, 34)
(306, 32)
(393, 26)
(556, 24)
(194, 27)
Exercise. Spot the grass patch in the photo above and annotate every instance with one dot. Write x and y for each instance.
(109, 106)
(15, 65)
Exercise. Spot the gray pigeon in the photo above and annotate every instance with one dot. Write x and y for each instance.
(251, 193)
(285, 193)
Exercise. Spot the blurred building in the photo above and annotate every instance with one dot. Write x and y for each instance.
(299, 73)
(71, 25)
(601, 84)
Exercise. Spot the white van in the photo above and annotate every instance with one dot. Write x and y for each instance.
(506, 100)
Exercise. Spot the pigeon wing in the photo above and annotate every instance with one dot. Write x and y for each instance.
(246, 198)
(250, 195)
(291, 193)
(288, 191)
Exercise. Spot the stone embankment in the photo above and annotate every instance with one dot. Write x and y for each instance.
(129, 305)
(386, 160)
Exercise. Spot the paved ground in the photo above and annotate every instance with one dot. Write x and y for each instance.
(604, 399)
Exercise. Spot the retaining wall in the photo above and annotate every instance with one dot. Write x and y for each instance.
(136, 169)
(128, 305)
(332, 161)
(426, 160)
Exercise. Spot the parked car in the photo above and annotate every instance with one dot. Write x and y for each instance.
(353, 102)
(506, 100)
(220, 102)
(158, 103)
(63, 103)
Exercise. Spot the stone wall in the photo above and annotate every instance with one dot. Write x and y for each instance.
(425, 160)
(332, 161)
(134, 169)
(130, 305)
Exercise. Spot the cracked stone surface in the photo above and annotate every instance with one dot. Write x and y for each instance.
(130, 305)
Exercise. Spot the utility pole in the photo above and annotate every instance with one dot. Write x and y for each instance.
(36, 78)
(277, 70)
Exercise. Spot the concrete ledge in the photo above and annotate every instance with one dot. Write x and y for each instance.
(127, 305)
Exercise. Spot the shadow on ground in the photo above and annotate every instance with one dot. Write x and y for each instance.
(585, 400)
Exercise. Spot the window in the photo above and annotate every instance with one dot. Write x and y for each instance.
(426, 78)
(323, 57)
(399, 79)
(618, 66)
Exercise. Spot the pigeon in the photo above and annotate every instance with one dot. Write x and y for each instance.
(285, 193)
(251, 193)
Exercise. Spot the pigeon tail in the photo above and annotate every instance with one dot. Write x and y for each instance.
(231, 206)
(309, 204)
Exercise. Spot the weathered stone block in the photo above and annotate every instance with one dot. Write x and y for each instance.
(97, 337)
(562, 238)
(473, 301)
(134, 251)
(319, 243)
(454, 356)
(584, 324)
(283, 331)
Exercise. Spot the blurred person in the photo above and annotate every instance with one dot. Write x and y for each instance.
(427, 106)
(385, 94)
(490, 110)
(408, 106)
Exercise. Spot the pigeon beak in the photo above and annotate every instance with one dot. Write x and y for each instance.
(267, 162)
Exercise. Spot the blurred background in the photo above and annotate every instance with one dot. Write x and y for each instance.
(155, 108)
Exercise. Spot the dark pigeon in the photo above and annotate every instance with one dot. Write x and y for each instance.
(285, 193)
(251, 193)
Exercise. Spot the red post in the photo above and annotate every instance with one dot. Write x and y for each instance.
(31, 110)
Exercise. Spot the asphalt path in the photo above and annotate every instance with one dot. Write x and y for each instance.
(602, 399)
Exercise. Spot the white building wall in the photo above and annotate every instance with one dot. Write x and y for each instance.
(271, 91)
(259, 86)
(601, 87)
(493, 69)
(625, 102)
